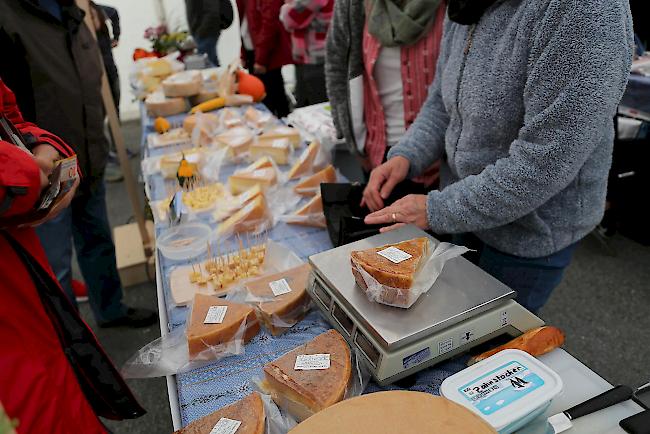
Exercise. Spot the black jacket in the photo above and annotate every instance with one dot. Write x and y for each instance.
(54, 68)
(204, 18)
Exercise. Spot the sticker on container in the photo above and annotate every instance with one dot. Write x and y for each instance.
(226, 426)
(280, 287)
(501, 387)
(310, 362)
(416, 358)
(215, 315)
(394, 254)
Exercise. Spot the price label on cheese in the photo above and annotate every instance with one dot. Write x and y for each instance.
(280, 287)
(215, 315)
(310, 362)
(259, 173)
(226, 426)
(280, 143)
(394, 254)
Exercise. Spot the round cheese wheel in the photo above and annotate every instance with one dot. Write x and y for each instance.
(393, 412)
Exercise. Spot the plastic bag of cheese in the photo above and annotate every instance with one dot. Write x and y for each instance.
(398, 274)
(214, 329)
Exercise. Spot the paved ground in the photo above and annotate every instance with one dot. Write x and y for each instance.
(602, 305)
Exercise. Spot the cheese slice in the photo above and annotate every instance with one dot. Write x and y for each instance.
(257, 118)
(228, 206)
(278, 149)
(242, 181)
(311, 185)
(397, 278)
(158, 105)
(184, 83)
(397, 411)
(281, 132)
(305, 392)
(201, 336)
(310, 214)
(237, 139)
(259, 164)
(249, 411)
(284, 310)
(246, 219)
(306, 161)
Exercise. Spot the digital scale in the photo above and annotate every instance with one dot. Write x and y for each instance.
(464, 308)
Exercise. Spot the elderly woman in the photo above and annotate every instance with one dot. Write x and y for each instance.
(520, 112)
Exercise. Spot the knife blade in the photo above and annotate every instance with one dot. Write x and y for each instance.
(563, 421)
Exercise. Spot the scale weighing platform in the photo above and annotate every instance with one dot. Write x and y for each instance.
(464, 308)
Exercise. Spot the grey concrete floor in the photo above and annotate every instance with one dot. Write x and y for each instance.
(603, 305)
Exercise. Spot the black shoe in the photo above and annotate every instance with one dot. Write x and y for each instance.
(135, 317)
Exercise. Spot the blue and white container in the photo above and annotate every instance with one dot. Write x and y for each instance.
(508, 390)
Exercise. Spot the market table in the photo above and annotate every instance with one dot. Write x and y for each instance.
(198, 392)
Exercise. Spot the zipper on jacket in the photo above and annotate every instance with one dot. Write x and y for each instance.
(468, 47)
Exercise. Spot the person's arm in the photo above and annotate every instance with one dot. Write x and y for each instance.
(336, 64)
(578, 69)
(424, 141)
(20, 181)
(114, 17)
(298, 14)
(268, 33)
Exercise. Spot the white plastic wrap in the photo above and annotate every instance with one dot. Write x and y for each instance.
(316, 220)
(425, 277)
(140, 69)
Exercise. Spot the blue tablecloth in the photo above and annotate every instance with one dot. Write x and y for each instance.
(223, 382)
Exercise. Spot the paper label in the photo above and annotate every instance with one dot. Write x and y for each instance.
(226, 426)
(394, 254)
(259, 173)
(215, 315)
(280, 287)
(280, 143)
(310, 362)
(68, 172)
(501, 387)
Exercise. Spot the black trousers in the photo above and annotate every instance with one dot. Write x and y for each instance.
(310, 85)
(276, 99)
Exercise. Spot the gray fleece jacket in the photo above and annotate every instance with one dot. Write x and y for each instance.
(521, 112)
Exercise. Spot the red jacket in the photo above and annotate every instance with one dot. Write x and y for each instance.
(271, 41)
(37, 383)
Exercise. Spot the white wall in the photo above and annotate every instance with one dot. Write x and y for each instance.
(135, 17)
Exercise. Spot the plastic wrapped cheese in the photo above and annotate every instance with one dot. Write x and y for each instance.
(184, 83)
(158, 105)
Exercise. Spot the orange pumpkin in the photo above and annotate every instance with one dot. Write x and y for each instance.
(250, 85)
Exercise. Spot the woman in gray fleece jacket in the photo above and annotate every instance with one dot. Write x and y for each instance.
(521, 113)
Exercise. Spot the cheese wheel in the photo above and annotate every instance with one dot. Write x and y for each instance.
(184, 83)
(158, 105)
(249, 411)
(402, 412)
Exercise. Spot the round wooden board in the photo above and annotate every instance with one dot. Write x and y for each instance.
(394, 412)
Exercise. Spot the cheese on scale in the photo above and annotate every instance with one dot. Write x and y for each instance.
(286, 308)
(202, 335)
(397, 411)
(281, 132)
(184, 83)
(306, 161)
(244, 180)
(305, 392)
(249, 411)
(311, 185)
(278, 149)
(246, 219)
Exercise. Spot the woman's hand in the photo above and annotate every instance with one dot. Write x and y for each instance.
(382, 181)
(46, 156)
(409, 209)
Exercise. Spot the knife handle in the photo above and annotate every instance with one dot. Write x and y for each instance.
(606, 399)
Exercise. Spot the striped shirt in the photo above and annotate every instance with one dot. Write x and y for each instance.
(307, 21)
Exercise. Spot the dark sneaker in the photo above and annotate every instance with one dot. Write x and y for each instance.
(135, 317)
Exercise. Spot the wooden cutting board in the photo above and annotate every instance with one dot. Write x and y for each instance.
(394, 412)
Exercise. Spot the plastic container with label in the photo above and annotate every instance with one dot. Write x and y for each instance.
(508, 390)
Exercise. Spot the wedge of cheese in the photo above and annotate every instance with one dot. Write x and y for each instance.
(396, 411)
(285, 309)
(158, 105)
(278, 149)
(169, 163)
(173, 137)
(395, 276)
(184, 83)
(249, 411)
(306, 161)
(190, 121)
(244, 180)
(261, 163)
(202, 336)
(256, 118)
(229, 206)
(237, 139)
(305, 392)
(246, 219)
(310, 186)
(310, 214)
(281, 132)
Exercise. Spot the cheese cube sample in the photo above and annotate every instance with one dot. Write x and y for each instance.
(184, 83)
(246, 219)
(201, 336)
(278, 149)
(311, 185)
(244, 180)
(284, 310)
(281, 132)
(306, 161)
(249, 411)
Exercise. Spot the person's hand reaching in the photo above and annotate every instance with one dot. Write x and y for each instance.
(409, 209)
(382, 181)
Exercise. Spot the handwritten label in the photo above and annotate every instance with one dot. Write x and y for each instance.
(310, 362)
(394, 254)
(215, 315)
(280, 287)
